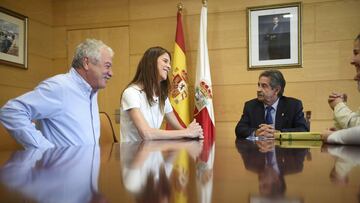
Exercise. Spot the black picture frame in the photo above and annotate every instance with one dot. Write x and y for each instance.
(13, 38)
(274, 36)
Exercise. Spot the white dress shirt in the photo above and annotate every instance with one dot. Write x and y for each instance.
(134, 97)
(64, 107)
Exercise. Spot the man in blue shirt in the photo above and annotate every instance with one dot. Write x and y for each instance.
(271, 111)
(65, 106)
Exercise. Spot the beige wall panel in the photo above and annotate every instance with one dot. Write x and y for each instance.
(40, 39)
(140, 9)
(149, 33)
(69, 12)
(314, 95)
(225, 129)
(59, 42)
(321, 125)
(39, 69)
(308, 23)
(9, 92)
(343, 22)
(60, 65)
(229, 101)
(227, 66)
(36, 10)
(325, 61)
(225, 30)
(191, 32)
(134, 61)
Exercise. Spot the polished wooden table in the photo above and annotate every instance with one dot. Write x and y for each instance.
(183, 171)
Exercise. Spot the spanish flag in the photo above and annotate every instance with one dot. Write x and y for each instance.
(179, 93)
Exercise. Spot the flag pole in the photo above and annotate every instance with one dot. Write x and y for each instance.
(180, 6)
(204, 2)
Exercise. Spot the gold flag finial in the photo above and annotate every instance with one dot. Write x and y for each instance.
(180, 6)
(204, 2)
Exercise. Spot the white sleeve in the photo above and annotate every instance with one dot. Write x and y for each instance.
(346, 136)
(130, 99)
(345, 117)
(168, 108)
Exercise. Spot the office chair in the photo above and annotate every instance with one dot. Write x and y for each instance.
(308, 118)
(107, 134)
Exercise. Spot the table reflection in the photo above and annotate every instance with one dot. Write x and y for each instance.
(204, 171)
(346, 159)
(56, 175)
(183, 171)
(159, 171)
(271, 163)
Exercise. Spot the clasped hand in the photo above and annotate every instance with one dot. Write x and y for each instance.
(265, 130)
(195, 130)
(335, 98)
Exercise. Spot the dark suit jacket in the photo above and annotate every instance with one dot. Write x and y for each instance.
(289, 117)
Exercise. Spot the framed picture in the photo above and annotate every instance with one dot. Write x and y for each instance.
(13, 38)
(274, 34)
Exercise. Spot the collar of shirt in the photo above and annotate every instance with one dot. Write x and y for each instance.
(84, 86)
(274, 105)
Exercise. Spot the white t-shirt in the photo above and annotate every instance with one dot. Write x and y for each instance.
(134, 97)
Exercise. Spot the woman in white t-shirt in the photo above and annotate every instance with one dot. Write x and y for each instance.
(145, 102)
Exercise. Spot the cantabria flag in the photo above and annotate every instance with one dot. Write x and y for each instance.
(204, 110)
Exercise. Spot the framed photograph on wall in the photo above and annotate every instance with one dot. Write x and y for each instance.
(13, 38)
(274, 36)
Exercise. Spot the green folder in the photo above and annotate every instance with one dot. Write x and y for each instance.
(299, 143)
(297, 136)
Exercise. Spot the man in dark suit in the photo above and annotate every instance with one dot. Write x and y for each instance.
(278, 37)
(271, 111)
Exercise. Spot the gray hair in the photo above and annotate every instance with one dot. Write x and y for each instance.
(276, 80)
(89, 48)
(357, 37)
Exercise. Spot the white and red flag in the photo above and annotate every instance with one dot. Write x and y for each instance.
(204, 110)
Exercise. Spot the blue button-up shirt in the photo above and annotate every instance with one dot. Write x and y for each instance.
(64, 107)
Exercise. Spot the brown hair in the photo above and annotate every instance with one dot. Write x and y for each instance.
(276, 80)
(147, 75)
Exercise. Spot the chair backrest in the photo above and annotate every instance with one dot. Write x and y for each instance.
(308, 118)
(107, 134)
(7, 142)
